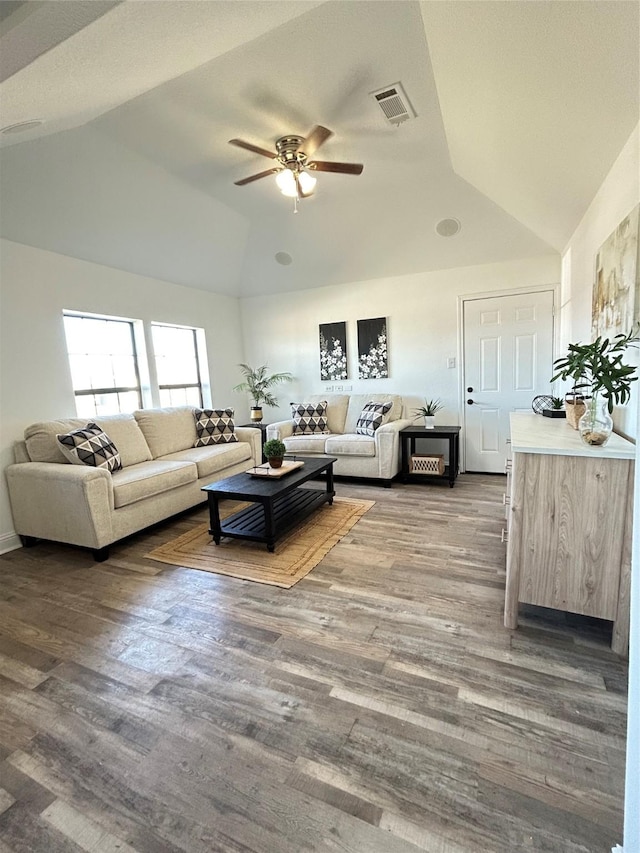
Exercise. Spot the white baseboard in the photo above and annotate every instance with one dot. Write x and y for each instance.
(9, 542)
(617, 849)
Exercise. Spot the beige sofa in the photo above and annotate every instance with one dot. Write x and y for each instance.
(356, 455)
(162, 474)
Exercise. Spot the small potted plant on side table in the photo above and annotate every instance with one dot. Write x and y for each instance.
(599, 367)
(428, 412)
(274, 451)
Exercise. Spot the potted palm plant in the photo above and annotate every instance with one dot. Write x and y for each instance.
(601, 377)
(428, 412)
(259, 384)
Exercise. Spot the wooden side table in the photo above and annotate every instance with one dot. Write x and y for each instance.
(408, 438)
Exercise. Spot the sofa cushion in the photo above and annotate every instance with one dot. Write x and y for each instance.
(167, 430)
(350, 445)
(214, 426)
(90, 446)
(42, 444)
(127, 437)
(309, 418)
(371, 417)
(305, 443)
(147, 479)
(212, 459)
(357, 403)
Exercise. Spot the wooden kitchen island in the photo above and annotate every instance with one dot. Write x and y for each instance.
(570, 524)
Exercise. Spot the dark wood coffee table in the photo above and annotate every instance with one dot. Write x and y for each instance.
(276, 505)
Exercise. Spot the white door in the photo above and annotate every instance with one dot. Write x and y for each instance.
(508, 360)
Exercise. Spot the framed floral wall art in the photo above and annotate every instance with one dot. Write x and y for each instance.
(372, 349)
(333, 351)
(616, 303)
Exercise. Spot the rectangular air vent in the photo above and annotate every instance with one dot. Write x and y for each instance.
(394, 103)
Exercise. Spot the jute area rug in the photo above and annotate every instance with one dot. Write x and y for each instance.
(299, 551)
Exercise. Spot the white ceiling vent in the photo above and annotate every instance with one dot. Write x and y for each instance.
(394, 103)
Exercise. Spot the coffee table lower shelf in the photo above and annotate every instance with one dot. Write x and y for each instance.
(287, 511)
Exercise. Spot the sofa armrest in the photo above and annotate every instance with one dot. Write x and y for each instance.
(281, 430)
(64, 503)
(388, 447)
(254, 436)
(394, 426)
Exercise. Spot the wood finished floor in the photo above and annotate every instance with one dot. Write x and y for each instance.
(378, 706)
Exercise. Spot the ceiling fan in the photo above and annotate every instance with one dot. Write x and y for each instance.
(294, 162)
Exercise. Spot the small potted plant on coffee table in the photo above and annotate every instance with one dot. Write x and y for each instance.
(274, 451)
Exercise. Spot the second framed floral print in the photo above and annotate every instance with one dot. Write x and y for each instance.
(372, 349)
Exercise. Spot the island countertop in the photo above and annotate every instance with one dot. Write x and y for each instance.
(531, 433)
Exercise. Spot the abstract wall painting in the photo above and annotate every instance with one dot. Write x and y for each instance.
(616, 289)
(333, 351)
(372, 349)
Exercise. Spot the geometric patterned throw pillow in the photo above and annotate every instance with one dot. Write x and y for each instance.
(371, 418)
(309, 418)
(214, 426)
(90, 446)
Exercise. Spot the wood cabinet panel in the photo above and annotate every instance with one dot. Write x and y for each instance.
(570, 535)
(572, 539)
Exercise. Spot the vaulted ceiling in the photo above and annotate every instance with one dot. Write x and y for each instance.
(521, 109)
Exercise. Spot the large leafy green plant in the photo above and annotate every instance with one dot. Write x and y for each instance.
(598, 366)
(259, 383)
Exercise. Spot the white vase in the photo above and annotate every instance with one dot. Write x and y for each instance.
(430, 421)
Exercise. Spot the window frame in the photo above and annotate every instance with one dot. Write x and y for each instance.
(199, 353)
(138, 358)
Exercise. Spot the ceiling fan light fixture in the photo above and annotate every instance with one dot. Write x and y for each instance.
(307, 183)
(286, 182)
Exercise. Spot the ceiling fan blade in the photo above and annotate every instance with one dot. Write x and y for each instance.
(344, 168)
(255, 148)
(316, 138)
(256, 177)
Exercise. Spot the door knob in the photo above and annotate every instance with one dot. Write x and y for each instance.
(469, 402)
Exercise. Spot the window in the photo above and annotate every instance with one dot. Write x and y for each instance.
(177, 365)
(104, 364)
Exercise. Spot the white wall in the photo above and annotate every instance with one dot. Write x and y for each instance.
(422, 328)
(618, 195)
(35, 382)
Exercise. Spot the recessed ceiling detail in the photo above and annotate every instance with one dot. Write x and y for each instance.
(284, 258)
(448, 227)
(132, 168)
